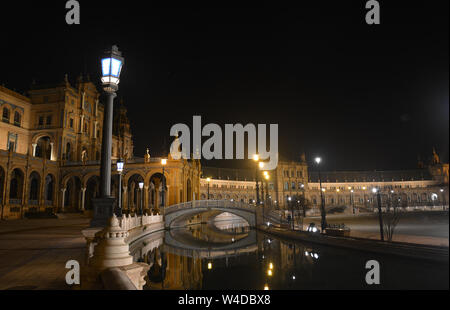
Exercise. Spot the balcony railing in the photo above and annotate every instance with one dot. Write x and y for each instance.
(15, 201)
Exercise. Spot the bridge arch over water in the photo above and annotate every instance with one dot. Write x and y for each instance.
(194, 207)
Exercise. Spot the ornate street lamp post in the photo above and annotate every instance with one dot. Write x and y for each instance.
(292, 211)
(208, 180)
(322, 202)
(256, 159)
(303, 201)
(380, 215)
(119, 203)
(266, 176)
(351, 199)
(261, 166)
(111, 63)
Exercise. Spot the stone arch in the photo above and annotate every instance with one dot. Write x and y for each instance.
(49, 189)
(131, 173)
(72, 195)
(92, 186)
(43, 148)
(34, 188)
(16, 184)
(155, 190)
(66, 178)
(88, 176)
(134, 193)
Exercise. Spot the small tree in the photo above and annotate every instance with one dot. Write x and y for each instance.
(390, 221)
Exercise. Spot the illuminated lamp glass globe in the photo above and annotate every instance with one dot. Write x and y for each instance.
(112, 63)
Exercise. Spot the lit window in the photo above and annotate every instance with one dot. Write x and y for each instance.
(6, 115)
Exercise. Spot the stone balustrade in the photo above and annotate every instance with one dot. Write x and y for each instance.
(128, 222)
(109, 247)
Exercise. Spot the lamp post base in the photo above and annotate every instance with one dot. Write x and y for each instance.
(103, 210)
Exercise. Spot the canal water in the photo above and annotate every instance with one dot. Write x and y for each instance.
(227, 254)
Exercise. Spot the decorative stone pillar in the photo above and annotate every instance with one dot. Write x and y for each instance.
(34, 145)
(83, 196)
(63, 190)
(52, 149)
(81, 123)
(146, 198)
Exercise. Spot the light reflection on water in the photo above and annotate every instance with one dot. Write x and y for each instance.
(227, 254)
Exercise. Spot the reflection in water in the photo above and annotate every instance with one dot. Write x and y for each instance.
(220, 256)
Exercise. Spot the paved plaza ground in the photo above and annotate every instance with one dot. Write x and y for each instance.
(430, 228)
(33, 253)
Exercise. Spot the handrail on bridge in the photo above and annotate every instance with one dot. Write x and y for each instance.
(224, 203)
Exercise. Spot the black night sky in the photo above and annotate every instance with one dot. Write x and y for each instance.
(363, 97)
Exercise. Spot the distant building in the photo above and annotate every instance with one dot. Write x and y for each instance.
(345, 191)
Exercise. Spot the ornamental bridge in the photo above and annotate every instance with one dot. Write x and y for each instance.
(191, 208)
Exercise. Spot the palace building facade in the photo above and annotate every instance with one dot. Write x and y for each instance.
(50, 142)
(342, 191)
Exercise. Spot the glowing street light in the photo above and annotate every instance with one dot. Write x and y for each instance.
(209, 265)
(256, 159)
(119, 165)
(111, 64)
(322, 201)
(208, 180)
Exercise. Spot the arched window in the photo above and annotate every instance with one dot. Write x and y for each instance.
(17, 118)
(6, 114)
(34, 189)
(68, 151)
